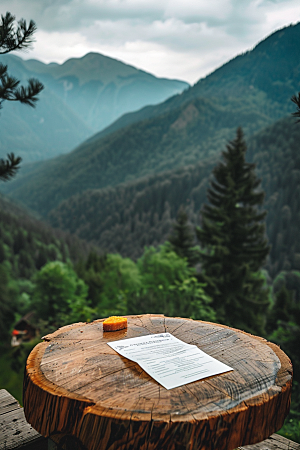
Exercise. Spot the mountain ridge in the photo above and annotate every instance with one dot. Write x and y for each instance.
(66, 68)
(68, 112)
(182, 136)
(95, 79)
(200, 88)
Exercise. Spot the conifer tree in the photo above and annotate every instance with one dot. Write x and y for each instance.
(282, 310)
(232, 235)
(182, 239)
(15, 37)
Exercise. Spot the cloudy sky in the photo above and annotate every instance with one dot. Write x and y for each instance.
(184, 39)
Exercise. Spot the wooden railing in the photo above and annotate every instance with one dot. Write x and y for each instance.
(16, 433)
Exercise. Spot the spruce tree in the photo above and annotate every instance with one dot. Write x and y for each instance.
(232, 235)
(182, 238)
(15, 37)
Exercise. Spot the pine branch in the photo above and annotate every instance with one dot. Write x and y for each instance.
(8, 85)
(28, 95)
(296, 100)
(9, 166)
(13, 37)
(9, 89)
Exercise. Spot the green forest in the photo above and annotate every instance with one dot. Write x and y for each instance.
(63, 279)
(126, 218)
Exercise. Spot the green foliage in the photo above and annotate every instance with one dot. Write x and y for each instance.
(6, 304)
(283, 308)
(160, 282)
(169, 286)
(192, 300)
(121, 280)
(232, 235)
(160, 267)
(12, 363)
(291, 427)
(59, 295)
(91, 272)
(287, 335)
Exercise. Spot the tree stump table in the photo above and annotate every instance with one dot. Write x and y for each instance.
(82, 394)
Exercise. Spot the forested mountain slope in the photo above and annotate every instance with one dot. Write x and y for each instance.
(26, 243)
(266, 77)
(81, 97)
(182, 136)
(126, 218)
(185, 129)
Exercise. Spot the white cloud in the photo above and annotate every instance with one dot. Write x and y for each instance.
(192, 11)
(48, 46)
(173, 38)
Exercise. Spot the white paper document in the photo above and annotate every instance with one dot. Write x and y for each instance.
(168, 360)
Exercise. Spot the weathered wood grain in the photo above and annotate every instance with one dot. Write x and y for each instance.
(75, 384)
(274, 442)
(15, 432)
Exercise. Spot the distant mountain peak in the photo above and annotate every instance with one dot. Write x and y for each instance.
(82, 96)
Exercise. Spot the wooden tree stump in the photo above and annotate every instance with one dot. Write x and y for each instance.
(76, 385)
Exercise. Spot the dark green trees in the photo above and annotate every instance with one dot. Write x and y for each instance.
(15, 37)
(233, 238)
(182, 239)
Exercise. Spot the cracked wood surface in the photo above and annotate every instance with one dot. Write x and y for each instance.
(76, 384)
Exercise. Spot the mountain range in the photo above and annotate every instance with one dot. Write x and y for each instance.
(81, 96)
(184, 129)
(122, 187)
